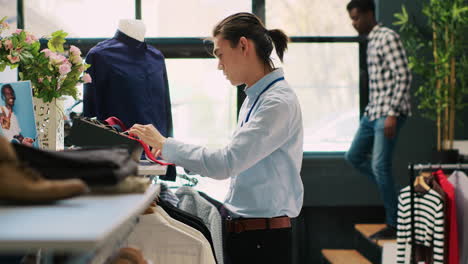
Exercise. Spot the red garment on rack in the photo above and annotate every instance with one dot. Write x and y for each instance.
(451, 225)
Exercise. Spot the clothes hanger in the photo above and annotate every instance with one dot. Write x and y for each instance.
(420, 182)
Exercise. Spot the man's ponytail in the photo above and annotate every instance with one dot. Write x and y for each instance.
(280, 40)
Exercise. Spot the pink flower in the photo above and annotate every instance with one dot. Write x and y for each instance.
(13, 59)
(81, 68)
(86, 78)
(76, 59)
(75, 51)
(31, 37)
(57, 59)
(8, 44)
(47, 52)
(18, 31)
(28, 39)
(40, 80)
(64, 68)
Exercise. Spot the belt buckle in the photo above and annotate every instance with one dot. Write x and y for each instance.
(229, 224)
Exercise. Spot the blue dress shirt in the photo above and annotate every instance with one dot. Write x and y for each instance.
(264, 157)
(129, 82)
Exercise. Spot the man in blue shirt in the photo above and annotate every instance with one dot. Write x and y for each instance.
(264, 157)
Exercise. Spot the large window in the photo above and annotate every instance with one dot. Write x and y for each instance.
(309, 17)
(203, 102)
(8, 9)
(80, 18)
(187, 18)
(325, 77)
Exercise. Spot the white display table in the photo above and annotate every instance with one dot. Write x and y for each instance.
(75, 225)
(149, 168)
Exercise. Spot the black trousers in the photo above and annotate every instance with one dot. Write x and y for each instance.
(273, 246)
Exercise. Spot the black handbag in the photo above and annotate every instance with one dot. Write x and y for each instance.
(91, 133)
(94, 166)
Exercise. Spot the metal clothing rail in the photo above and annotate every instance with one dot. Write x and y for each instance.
(411, 168)
(460, 166)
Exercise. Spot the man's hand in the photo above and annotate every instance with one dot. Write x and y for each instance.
(150, 135)
(390, 126)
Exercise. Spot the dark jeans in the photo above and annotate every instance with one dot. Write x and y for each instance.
(371, 153)
(260, 246)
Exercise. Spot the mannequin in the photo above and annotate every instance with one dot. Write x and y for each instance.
(133, 28)
(129, 81)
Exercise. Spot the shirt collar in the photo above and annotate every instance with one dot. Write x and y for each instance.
(254, 90)
(120, 36)
(374, 30)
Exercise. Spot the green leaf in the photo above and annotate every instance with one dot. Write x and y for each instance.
(2, 66)
(36, 46)
(59, 34)
(22, 36)
(55, 44)
(402, 17)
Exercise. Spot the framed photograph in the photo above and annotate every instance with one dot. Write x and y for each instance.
(17, 122)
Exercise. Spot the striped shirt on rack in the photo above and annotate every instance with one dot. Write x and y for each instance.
(429, 224)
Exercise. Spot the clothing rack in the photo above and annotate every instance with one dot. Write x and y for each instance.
(411, 168)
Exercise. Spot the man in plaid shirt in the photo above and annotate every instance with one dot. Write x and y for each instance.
(389, 105)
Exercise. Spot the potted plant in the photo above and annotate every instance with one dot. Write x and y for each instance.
(437, 51)
(54, 72)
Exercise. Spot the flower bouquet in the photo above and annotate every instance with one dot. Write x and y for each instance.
(53, 71)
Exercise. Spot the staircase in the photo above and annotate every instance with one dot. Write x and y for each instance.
(367, 251)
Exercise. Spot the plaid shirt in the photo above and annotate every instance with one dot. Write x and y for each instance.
(389, 76)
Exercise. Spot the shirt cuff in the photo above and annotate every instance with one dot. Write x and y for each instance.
(169, 150)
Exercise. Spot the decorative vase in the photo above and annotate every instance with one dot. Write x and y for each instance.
(49, 123)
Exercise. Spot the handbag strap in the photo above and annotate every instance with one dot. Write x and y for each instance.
(115, 121)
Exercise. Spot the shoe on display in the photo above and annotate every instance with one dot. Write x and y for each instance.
(389, 232)
(19, 183)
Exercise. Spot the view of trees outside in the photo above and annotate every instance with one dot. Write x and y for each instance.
(325, 76)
